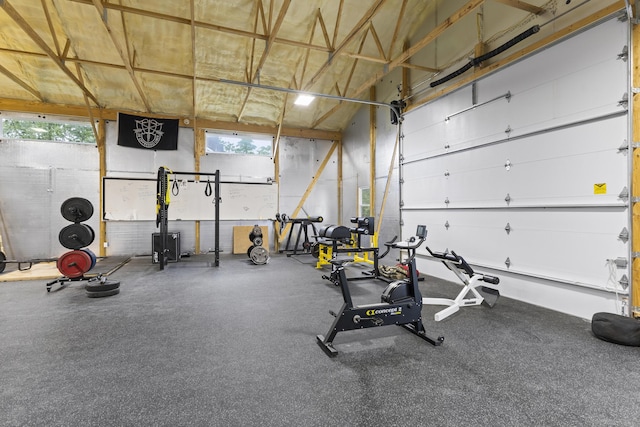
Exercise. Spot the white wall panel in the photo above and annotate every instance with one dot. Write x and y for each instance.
(36, 177)
(300, 160)
(551, 150)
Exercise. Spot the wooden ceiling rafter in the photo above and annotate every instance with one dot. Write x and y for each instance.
(376, 39)
(405, 55)
(348, 82)
(396, 30)
(420, 67)
(353, 66)
(123, 55)
(265, 28)
(65, 51)
(22, 23)
(307, 52)
(252, 54)
(21, 83)
(88, 105)
(194, 81)
(131, 58)
(358, 27)
(273, 31)
(324, 29)
(522, 5)
(254, 35)
(52, 30)
(337, 26)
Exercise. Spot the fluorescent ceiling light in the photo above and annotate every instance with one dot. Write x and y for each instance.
(304, 100)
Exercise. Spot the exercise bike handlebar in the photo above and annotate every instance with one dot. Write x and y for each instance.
(411, 245)
(388, 244)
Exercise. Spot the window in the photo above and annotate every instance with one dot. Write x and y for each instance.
(364, 202)
(42, 129)
(237, 143)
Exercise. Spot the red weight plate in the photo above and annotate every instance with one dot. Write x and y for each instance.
(74, 264)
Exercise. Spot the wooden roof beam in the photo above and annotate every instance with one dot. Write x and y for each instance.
(123, 55)
(404, 56)
(22, 23)
(522, 5)
(265, 53)
(21, 83)
(50, 24)
(337, 26)
(347, 40)
(403, 8)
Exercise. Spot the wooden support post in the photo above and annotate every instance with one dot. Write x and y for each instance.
(340, 182)
(198, 151)
(101, 142)
(635, 173)
(372, 152)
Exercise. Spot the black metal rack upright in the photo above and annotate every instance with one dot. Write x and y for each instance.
(162, 214)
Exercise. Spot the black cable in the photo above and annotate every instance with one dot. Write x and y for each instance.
(207, 189)
(517, 39)
(476, 61)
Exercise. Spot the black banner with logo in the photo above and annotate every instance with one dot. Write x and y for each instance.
(147, 133)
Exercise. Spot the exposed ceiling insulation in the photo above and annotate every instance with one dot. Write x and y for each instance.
(222, 60)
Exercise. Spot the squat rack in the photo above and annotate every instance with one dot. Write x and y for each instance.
(162, 209)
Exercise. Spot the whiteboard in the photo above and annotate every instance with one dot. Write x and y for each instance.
(134, 199)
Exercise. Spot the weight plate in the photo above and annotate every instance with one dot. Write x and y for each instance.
(2, 261)
(103, 293)
(257, 241)
(315, 250)
(98, 286)
(249, 250)
(76, 209)
(259, 255)
(93, 257)
(74, 264)
(76, 236)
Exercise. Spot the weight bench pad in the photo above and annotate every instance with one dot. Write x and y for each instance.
(616, 329)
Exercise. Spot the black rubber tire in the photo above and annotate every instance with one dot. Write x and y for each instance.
(109, 285)
(616, 329)
(103, 293)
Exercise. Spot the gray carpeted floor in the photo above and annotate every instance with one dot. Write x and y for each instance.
(235, 345)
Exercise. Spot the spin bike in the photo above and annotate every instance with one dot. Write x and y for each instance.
(401, 302)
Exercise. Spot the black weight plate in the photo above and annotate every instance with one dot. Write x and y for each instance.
(103, 293)
(249, 250)
(109, 285)
(76, 209)
(2, 263)
(315, 250)
(257, 241)
(76, 236)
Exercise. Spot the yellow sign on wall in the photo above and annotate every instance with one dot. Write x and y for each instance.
(600, 188)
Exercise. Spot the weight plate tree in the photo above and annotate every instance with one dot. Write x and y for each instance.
(256, 252)
(77, 236)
